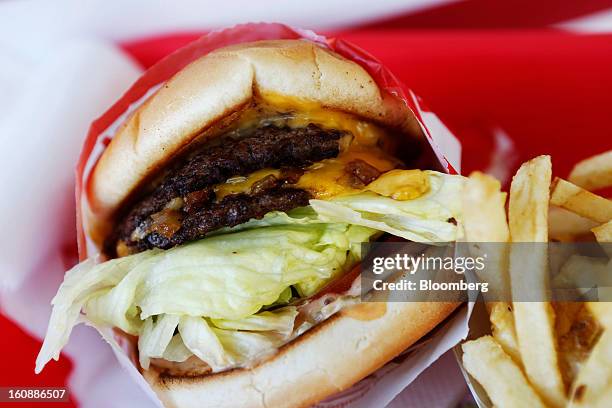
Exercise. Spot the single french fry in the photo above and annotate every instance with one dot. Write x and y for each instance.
(580, 201)
(566, 226)
(584, 272)
(604, 400)
(602, 312)
(558, 255)
(486, 230)
(528, 204)
(484, 213)
(593, 173)
(577, 332)
(595, 376)
(534, 321)
(603, 235)
(501, 377)
(502, 328)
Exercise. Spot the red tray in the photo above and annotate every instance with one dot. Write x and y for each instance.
(548, 91)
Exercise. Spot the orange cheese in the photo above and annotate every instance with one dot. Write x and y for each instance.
(327, 178)
(400, 184)
(324, 179)
(304, 112)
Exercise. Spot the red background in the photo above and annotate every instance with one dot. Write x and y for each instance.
(548, 90)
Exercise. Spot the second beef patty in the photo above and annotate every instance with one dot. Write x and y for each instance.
(183, 206)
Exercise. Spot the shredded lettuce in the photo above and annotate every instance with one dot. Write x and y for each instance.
(426, 218)
(221, 343)
(156, 335)
(176, 350)
(202, 341)
(243, 347)
(224, 298)
(280, 320)
(225, 278)
(78, 286)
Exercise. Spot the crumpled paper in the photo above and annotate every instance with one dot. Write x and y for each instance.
(62, 99)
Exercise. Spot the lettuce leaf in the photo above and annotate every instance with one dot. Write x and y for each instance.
(279, 320)
(221, 343)
(226, 277)
(422, 219)
(78, 286)
(176, 350)
(244, 347)
(155, 337)
(202, 341)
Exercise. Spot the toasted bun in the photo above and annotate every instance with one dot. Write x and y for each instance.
(217, 85)
(329, 358)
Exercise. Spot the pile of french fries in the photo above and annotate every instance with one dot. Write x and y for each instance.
(542, 354)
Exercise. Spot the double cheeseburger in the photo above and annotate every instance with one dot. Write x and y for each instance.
(225, 220)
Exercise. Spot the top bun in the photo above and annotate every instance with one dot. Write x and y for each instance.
(214, 87)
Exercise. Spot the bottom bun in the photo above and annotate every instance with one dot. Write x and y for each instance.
(327, 359)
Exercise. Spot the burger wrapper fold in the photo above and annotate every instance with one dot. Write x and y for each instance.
(379, 388)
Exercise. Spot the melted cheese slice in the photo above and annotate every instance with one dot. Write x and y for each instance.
(306, 112)
(327, 178)
(324, 179)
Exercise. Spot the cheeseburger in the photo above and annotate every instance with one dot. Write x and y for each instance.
(226, 218)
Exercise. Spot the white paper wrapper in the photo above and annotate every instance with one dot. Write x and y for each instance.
(63, 98)
(50, 112)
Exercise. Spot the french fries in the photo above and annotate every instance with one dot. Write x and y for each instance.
(534, 321)
(484, 222)
(603, 235)
(538, 349)
(484, 214)
(503, 330)
(584, 272)
(602, 312)
(577, 333)
(605, 401)
(580, 201)
(595, 377)
(565, 226)
(485, 225)
(501, 377)
(593, 173)
(528, 206)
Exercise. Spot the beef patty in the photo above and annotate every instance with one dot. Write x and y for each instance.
(229, 212)
(183, 206)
